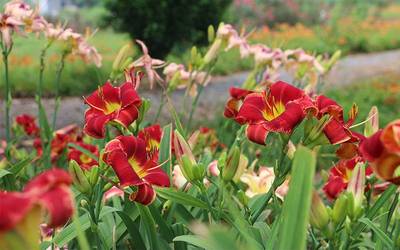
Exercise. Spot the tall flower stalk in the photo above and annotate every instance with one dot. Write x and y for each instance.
(6, 52)
(57, 87)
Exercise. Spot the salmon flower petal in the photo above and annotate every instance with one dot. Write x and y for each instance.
(381, 150)
(109, 103)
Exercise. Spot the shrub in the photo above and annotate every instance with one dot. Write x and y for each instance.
(166, 23)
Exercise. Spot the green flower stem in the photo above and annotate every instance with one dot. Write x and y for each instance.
(203, 191)
(279, 179)
(57, 89)
(6, 51)
(197, 98)
(159, 108)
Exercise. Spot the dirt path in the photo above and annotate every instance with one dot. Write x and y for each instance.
(353, 68)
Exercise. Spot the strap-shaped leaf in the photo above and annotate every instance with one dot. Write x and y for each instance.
(180, 197)
(296, 206)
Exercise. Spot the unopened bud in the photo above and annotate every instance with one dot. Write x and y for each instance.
(94, 175)
(243, 163)
(232, 164)
(372, 124)
(355, 190)
(243, 197)
(84, 203)
(210, 33)
(335, 57)
(184, 156)
(213, 51)
(319, 216)
(79, 178)
(316, 135)
(339, 212)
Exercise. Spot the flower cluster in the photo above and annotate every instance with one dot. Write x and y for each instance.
(180, 78)
(19, 17)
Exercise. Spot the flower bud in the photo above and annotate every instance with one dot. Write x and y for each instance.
(199, 172)
(335, 57)
(94, 175)
(319, 216)
(291, 149)
(314, 132)
(213, 51)
(355, 191)
(243, 162)
(339, 209)
(232, 164)
(184, 156)
(210, 33)
(107, 187)
(122, 55)
(79, 178)
(243, 197)
(372, 124)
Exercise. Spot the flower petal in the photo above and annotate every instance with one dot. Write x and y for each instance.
(95, 123)
(59, 204)
(127, 115)
(257, 133)
(144, 195)
(13, 208)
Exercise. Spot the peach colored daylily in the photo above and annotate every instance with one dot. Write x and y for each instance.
(8, 25)
(261, 182)
(185, 78)
(149, 64)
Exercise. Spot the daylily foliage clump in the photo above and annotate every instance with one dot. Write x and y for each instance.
(123, 181)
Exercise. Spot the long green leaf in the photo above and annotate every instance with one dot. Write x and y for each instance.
(296, 206)
(379, 233)
(194, 240)
(132, 230)
(69, 232)
(180, 197)
(16, 168)
(164, 155)
(150, 226)
(4, 172)
(370, 214)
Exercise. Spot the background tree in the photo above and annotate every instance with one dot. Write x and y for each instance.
(163, 24)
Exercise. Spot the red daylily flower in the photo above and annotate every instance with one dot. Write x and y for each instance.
(108, 103)
(82, 159)
(279, 109)
(336, 130)
(27, 122)
(50, 190)
(59, 142)
(152, 136)
(129, 158)
(235, 102)
(382, 150)
(340, 176)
